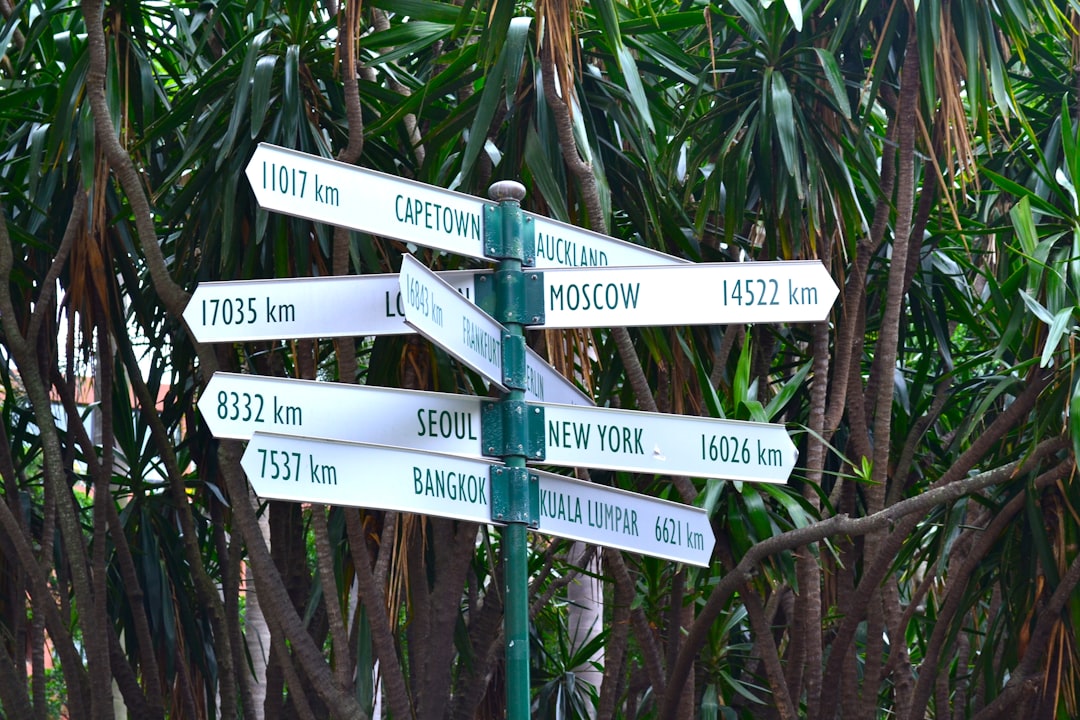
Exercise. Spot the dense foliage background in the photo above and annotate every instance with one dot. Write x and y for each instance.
(921, 562)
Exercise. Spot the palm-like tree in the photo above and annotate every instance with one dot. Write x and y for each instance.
(926, 546)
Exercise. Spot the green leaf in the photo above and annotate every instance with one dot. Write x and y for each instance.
(1053, 337)
(836, 81)
(291, 111)
(1036, 308)
(609, 24)
(794, 8)
(784, 117)
(1074, 417)
(787, 391)
(243, 89)
(260, 92)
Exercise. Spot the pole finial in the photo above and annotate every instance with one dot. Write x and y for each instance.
(506, 190)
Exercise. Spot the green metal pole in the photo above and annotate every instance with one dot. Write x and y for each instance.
(509, 294)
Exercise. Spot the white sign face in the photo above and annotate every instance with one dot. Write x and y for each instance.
(559, 244)
(238, 406)
(282, 467)
(337, 193)
(601, 515)
(439, 313)
(543, 381)
(701, 294)
(665, 444)
(339, 306)
(323, 190)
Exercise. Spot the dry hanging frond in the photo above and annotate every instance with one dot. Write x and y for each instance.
(558, 32)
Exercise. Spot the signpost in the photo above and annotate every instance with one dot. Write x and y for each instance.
(600, 515)
(548, 274)
(435, 310)
(238, 406)
(439, 313)
(329, 191)
(359, 474)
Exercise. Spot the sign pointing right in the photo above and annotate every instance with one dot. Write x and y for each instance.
(701, 294)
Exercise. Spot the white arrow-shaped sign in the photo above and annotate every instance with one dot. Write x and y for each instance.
(701, 294)
(329, 191)
(362, 475)
(356, 474)
(438, 312)
(616, 518)
(560, 244)
(237, 406)
(337, 193)
(638, 441)
(340, 306)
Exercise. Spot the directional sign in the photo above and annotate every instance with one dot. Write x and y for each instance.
(639, 441)
(339, 306)
(616, 518)
(363, 475)
(238, 406)
(559, 244)
(700, 294)
(329, 191)
(439, 313)
(442, 315)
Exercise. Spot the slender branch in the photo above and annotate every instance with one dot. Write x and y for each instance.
(1025, 673)
(769, 653)
(27, 362)
(654, 664)
(12, 691)
(271, 593)
(382, 636)
(837, 525)
(958, 584)
(48, 285)
(616, 648)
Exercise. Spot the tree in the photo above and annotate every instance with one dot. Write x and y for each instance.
(922, 560)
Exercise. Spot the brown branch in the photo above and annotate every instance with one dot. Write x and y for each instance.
(958, 583)
(615, 651)
(27, 361)
(769, 653)
(837, 525)
(272, 596)
(382, 635)
(650, 651)
(1025, 673)
(48, 285)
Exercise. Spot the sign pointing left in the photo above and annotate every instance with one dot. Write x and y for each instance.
(287, 308)
(323, 190)
(329, 191)
(360, 475)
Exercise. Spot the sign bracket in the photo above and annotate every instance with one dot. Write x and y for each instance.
(509, 233)
(512, 428)
(518, 295)
(508, 508)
